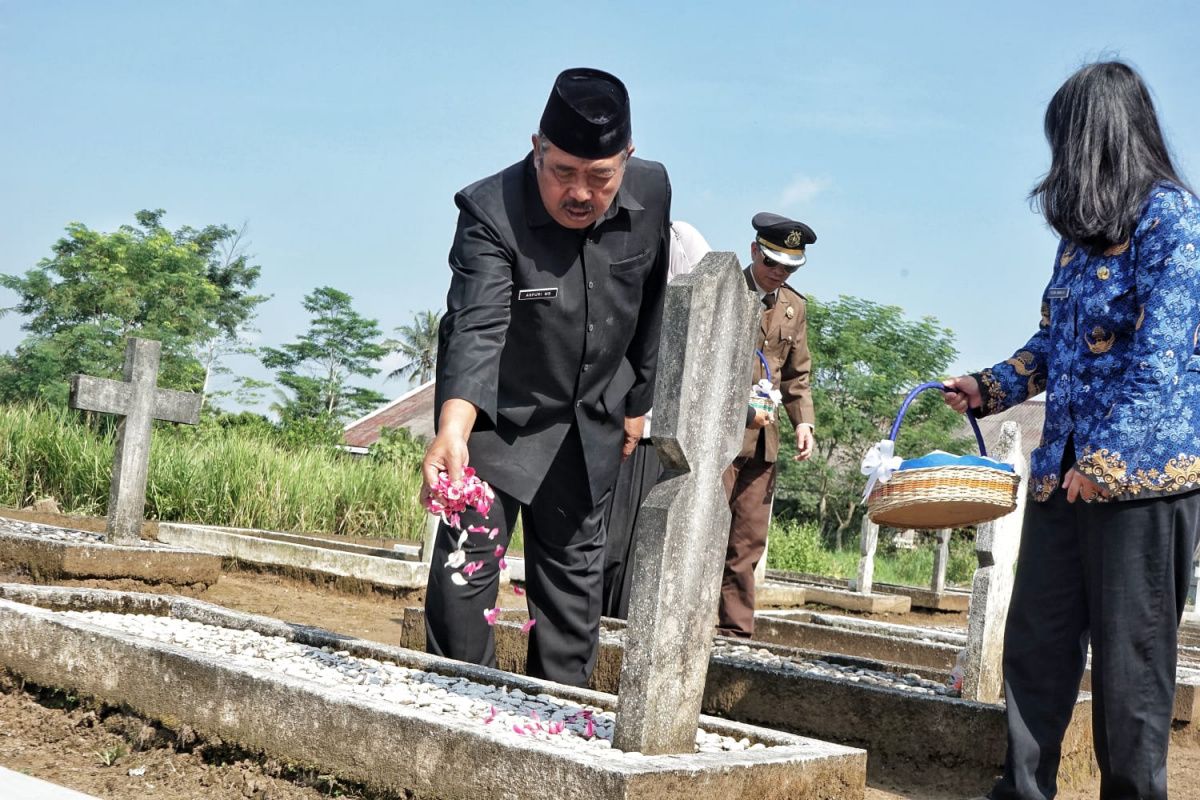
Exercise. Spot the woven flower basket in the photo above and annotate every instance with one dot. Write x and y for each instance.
(952, 496)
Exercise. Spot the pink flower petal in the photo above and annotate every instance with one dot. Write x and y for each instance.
(518, 729)
(518, 591)
(502, 564)
(491, 615)
(499, 552)
(495, 532)
(472, 568)
(528, 625)
(589, 730)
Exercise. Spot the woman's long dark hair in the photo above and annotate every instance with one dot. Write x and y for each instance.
(1107, 151)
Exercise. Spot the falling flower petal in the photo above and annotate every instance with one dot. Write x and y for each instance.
(495, 532)
(590, 729)
(472, 568)
(499, 552)
(528, 625)
(456, 559)
(477, 529)
(517, 590)
(491, 615)
(457, 579)
(462, 539)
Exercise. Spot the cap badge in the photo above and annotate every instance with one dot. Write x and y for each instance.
(791, 312)
(794, 239)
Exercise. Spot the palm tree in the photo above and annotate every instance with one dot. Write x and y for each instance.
(418, 345)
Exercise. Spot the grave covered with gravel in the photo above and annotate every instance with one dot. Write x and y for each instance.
(385, 716)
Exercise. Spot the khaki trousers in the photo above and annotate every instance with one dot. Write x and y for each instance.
(749, 486)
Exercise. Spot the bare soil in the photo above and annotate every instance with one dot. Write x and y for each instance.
(92, 748)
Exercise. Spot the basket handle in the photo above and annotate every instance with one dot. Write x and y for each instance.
(912, 396)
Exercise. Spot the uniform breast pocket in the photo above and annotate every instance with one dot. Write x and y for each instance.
(632, 264)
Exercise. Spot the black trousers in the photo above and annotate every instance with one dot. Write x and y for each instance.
(564, 562)
(1114, 574)
(637, 476)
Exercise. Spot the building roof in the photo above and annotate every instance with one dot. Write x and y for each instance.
(412, 410)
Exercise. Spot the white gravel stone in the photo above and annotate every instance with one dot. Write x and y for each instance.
(509, 714)
(67, 535)
(910, 682)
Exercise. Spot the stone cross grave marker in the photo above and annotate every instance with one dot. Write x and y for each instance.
(996, 545)
(704, 376)
(139, 401)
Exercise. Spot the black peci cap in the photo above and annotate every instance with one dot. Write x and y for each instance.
(587, 114)
(782, 239)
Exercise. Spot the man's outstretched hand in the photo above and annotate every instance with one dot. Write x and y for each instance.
(448, 451)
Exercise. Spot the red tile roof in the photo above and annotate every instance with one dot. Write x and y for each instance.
(412, 410)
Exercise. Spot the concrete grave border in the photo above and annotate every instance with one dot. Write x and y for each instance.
(51, 559)
(424, 755)
(380, 566)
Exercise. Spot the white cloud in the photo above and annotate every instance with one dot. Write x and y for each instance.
(803, 189)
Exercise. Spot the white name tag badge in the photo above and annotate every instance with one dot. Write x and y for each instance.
(548, 293)
(1058, 292)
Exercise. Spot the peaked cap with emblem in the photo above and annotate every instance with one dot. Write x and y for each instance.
(782, 239)
(587, 113)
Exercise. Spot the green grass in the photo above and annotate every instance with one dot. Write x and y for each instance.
(215, 476)
(798, 547)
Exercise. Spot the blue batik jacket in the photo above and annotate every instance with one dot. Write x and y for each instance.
(1117, 355)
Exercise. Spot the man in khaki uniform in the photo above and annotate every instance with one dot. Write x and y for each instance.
(782, 357)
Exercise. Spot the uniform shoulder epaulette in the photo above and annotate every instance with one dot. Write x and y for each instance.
(793, 291)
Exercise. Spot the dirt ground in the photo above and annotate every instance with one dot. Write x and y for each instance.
(93, 749)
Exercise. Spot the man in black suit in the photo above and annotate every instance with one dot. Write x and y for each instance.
(546, 364)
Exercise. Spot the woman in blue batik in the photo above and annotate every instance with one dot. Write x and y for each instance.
(1108, 543)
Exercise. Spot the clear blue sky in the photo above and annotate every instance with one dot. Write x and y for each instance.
(906, 134)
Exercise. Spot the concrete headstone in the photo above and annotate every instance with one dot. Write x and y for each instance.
(139, 401)
(996, 545)
(704, 371)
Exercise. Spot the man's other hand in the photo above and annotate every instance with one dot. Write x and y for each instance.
(804, 442)
(633, 434)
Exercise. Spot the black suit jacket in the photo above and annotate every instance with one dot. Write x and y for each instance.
(546, 326)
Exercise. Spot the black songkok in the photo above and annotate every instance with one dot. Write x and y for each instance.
(587, 114)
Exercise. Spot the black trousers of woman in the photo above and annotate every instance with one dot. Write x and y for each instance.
(1115, 575)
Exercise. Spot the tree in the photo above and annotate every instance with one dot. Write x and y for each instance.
(866, 357)
(340, 344)
(97, 288)
(418, 345)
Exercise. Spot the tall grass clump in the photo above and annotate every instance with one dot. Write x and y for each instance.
(238, 477)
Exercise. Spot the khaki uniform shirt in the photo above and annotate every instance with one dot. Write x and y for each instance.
(783, 340)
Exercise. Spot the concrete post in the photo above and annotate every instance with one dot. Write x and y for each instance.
(868, 540)
(139, 402)
(996, 545)
(704, 367)
(431, 528)
(1191, 601)
(940, 557)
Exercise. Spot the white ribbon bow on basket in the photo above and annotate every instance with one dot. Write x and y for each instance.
(879, 463)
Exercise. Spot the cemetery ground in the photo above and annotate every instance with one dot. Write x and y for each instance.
(72, 742)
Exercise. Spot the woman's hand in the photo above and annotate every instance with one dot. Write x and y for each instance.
(1079, 487)
(963, 393)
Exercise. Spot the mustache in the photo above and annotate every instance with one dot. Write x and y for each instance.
(571, 205)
